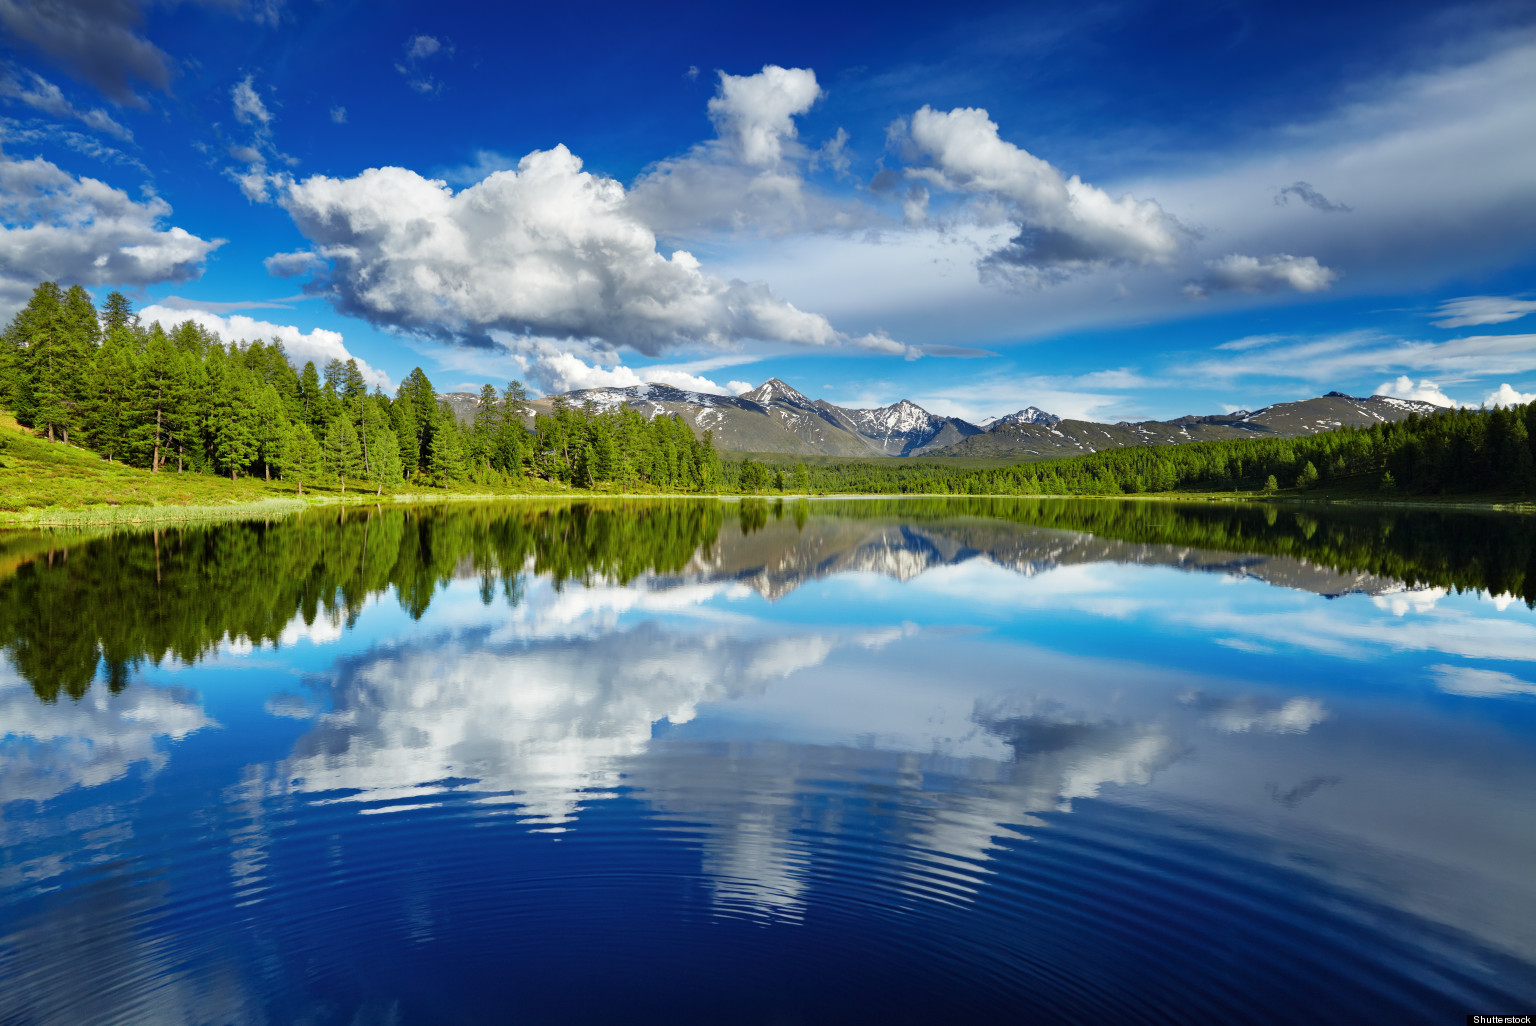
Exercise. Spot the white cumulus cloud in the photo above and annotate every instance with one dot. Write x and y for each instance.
(56, 226)
(319, 344)
(546, 250)
(557, 370)
(752, 176)
(1425, 391)
(756, 113)
(1505, 395)
(1065, 224)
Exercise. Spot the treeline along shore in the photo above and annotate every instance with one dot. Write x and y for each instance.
(185, 401)
(146, 595)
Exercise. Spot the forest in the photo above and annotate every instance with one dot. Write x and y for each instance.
(1456, 451)
(186, 401)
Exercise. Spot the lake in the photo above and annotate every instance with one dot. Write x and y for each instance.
(923, 761)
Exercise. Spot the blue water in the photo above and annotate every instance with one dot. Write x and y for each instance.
(825, 769)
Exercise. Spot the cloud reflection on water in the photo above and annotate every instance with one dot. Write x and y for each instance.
(881, 692)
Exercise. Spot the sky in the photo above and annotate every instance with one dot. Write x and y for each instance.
(1118, 210)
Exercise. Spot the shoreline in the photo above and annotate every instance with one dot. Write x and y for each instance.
(267, 508)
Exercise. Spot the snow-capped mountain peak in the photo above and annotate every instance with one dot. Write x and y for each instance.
(775, 389)
(903, 417)
(1028, 415)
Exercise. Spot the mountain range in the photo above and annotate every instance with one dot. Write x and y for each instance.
(776, 418)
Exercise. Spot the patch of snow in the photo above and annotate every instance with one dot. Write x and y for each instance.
(1028, 415)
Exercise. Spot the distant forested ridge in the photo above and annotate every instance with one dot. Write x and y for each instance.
(187, 400)
(1450, 452)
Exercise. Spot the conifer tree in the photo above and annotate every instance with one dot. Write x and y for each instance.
(309, 395)
(117, 314)
(50, 362)
(302, 457)
(280, 374)
(513, 444)
(108, 409)
(388, 473)
(422, 404)
(282, 456)
(343, 451)
(446, 461)
(191, 404)
(380, 446)
(402, 420)
(233, 419)
(191, 339)
(351, 386)
(151, 411)
(271, 428)
(487, 430)
(330, 403)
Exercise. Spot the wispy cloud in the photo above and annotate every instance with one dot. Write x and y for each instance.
(1470, 310)
(36, 130)
(37, 92)
(422, 53)
(178, 303)
(256, 182)
(1304, 192)
(1476, 683)
(1337, 357)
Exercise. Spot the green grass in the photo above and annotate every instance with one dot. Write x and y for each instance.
(53, 484)
(49, 484)
(36, 474)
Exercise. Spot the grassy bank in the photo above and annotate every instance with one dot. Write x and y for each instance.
(49, 484)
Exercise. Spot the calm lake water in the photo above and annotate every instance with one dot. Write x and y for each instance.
(935, 761)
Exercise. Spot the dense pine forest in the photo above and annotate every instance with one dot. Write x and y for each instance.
(1456, 451)
(186, 401)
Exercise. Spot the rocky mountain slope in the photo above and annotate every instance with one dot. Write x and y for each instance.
(1028, 415)
(1039, 440)
(776, 418)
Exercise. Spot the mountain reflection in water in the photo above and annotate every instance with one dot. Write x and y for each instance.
(897, 761)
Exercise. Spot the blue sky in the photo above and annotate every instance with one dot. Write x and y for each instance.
(1116, 210)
